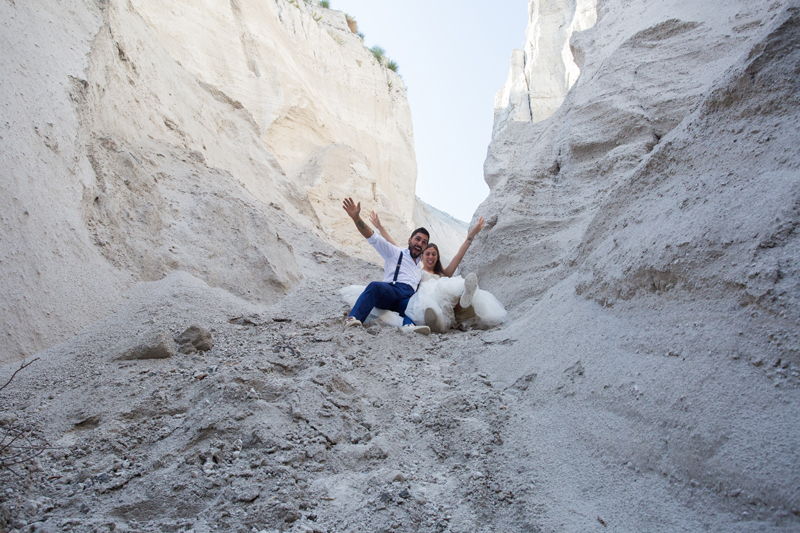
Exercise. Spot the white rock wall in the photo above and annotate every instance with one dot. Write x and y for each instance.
(545, 69)
(145, 137)
(645, 240)
(337, 123)
(52, 279)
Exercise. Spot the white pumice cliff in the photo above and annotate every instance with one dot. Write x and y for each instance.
(541, 74)
(146, 137)
(641, 230)
(645, 236)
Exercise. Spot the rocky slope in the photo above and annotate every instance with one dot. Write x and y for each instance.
(287, 423)
(142, 137)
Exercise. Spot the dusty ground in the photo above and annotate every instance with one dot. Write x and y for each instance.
(290, 423)
(283, 424)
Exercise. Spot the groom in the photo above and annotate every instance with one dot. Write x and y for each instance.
(401, 273)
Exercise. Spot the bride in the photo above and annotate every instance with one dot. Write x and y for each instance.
(442, 300)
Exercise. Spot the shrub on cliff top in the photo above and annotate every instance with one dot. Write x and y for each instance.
(378, 52)
(325, 4)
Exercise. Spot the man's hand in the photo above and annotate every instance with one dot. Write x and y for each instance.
(353, 209)
(474, 230)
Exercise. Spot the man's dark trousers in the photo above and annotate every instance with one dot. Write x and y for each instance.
(383, 295)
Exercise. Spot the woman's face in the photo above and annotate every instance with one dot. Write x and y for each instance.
(429, 258)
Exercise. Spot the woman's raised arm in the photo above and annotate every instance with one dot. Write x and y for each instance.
(474, 230)
(373, 217)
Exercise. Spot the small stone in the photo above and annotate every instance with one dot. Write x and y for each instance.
(247, 494)
(249, 320)
(375, 452)
(154, 345)
(195, 339)
(87, 422)
(288, 513)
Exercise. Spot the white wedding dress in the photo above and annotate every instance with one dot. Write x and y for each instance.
(441, 294)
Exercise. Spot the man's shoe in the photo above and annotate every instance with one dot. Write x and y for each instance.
(470, 285)
(352, 321)
(435, 320)
(411, 328)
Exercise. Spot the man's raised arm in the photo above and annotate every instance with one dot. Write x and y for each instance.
(353, 210)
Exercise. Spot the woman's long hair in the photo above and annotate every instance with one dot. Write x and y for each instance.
(437, 268)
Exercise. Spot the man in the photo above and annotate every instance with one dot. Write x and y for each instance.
(400, 268)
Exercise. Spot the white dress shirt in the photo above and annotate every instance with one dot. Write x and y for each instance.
(410, 272)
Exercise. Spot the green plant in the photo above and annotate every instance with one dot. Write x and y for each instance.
(325, 4)
(360, 35)
(392, 65)
(378, 52)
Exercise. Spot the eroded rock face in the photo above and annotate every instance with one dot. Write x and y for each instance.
(646, 231)
(146, 137)
(541, 74)
(309, 93)
(646, 99)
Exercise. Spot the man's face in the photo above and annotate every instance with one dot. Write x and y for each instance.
(417, 244)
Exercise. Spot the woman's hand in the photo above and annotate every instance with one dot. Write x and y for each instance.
(474, 230)
(373, 218)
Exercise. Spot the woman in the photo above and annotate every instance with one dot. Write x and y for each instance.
(443, 300)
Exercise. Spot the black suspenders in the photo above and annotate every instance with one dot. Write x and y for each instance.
(397, 270)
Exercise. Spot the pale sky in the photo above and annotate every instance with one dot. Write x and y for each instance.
(453, 56)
